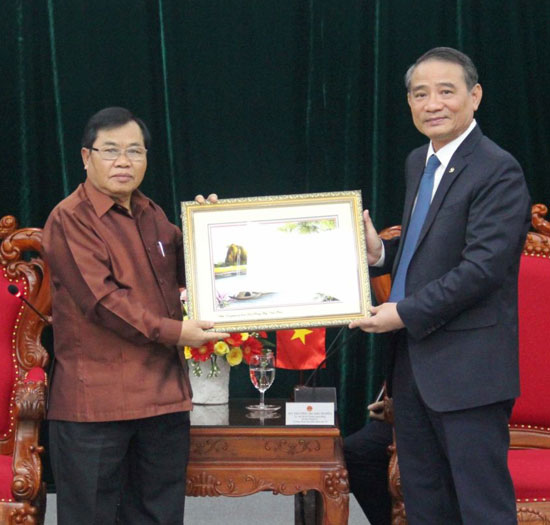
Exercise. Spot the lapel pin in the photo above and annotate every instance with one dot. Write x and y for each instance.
(451, 170)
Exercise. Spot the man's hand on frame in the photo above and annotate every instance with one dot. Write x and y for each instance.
(385, 318)
(193, 333)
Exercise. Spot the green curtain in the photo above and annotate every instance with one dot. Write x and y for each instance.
(259, 97)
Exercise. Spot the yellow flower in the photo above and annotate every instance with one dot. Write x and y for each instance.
(221, 348)
(187, 352)
(235, 356)
(245, 335)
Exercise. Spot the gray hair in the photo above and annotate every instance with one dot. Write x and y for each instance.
(446, 54)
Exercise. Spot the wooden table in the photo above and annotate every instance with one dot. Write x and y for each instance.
(237, 456)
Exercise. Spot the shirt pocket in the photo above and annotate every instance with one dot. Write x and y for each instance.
(166, 262)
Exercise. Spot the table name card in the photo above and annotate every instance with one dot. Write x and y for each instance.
(310, 414)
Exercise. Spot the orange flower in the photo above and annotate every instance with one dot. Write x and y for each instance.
(234, 339)
(202, 353)
(251, 347)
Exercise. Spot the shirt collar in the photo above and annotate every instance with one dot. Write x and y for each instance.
(103, 203)
(446, 152)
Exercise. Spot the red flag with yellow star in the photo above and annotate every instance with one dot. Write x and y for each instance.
(301, 349)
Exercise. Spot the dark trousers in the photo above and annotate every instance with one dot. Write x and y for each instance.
(366, 454)
(453, 465)
(126, 472)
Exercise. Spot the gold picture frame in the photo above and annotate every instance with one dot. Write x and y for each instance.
(276, 262)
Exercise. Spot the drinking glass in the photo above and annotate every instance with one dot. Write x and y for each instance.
(262, 374)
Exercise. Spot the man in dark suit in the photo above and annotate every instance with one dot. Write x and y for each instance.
(453, 305)
(366, 455)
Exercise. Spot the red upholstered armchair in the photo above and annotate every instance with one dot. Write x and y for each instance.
(529, 456)
(22, 376)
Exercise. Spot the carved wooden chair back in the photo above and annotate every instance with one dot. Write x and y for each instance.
(22, 379)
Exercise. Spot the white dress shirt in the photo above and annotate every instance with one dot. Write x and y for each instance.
(444, 155)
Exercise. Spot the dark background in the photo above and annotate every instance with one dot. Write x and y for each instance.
(261, 97)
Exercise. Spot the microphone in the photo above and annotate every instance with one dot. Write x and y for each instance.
(332, 349)
(14, 290)
(309, 394)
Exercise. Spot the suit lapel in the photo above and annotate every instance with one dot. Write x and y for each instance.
(456, 165)
(458, 162)
(415, 175)
(416, 172)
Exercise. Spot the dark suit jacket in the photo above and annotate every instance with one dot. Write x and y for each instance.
(460, 308)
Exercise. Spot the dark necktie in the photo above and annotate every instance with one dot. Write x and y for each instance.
(418, 217)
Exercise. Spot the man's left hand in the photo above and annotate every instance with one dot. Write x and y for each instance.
(376, 410)
(385, 318)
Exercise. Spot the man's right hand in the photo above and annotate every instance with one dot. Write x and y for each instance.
(211, 199)
(193, 333)
(374, 243)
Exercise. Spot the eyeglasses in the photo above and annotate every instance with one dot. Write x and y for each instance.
(135, 154)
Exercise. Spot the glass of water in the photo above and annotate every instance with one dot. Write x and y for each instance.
(262, 375)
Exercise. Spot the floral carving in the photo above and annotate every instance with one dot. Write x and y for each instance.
(399, 516)
(27, 515)
(538, 212)
(206, 485)
(537, 242)
(30, 400)
(201, 448)
(257, 484)
(336, 483)
(27, 239)
(28, 473)
(529, 515)
(8, 224)
(293, 447)
(34, 353)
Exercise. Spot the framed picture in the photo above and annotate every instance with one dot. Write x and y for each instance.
(279, 262)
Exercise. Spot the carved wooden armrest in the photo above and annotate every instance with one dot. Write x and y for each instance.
(30, 400)
(30, 410)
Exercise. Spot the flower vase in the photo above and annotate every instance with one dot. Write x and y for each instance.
(211, 390)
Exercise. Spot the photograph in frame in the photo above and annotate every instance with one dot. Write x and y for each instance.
(276, 262)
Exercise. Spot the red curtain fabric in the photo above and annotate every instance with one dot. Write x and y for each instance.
(301, 349)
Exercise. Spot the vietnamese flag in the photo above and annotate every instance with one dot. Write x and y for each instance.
(301, 349)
